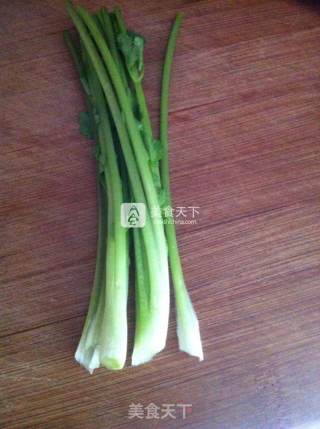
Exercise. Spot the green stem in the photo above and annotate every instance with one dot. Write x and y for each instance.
(119, 20)
(87, 352)
(145, 118)
(104, 338)
(114, 342)
(187, 322)
(153, 235)
(164, 107)
(112, 42)
(137, 143)
(141, 100)
(91, 330)
(76, 56)
(141, 286)
(132, 169)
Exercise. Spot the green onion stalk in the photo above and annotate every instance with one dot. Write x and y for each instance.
(188, 330)
(132, 166)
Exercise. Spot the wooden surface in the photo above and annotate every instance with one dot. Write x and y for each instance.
(244, 128)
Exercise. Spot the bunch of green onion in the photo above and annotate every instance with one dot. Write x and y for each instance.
(132, 166)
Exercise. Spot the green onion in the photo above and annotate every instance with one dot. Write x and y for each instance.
(187, 323)
(109, 61)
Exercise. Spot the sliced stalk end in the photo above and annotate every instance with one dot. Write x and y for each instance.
(152, 302)
(88, 358)
(151, 337)
(113, 364)
(188, 329)
(145, 352)
(141, 356)
(91, 358)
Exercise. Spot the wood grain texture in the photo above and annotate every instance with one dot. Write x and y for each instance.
(244, 147)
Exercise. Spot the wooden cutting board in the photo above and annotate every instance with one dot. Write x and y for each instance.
(244, 148)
